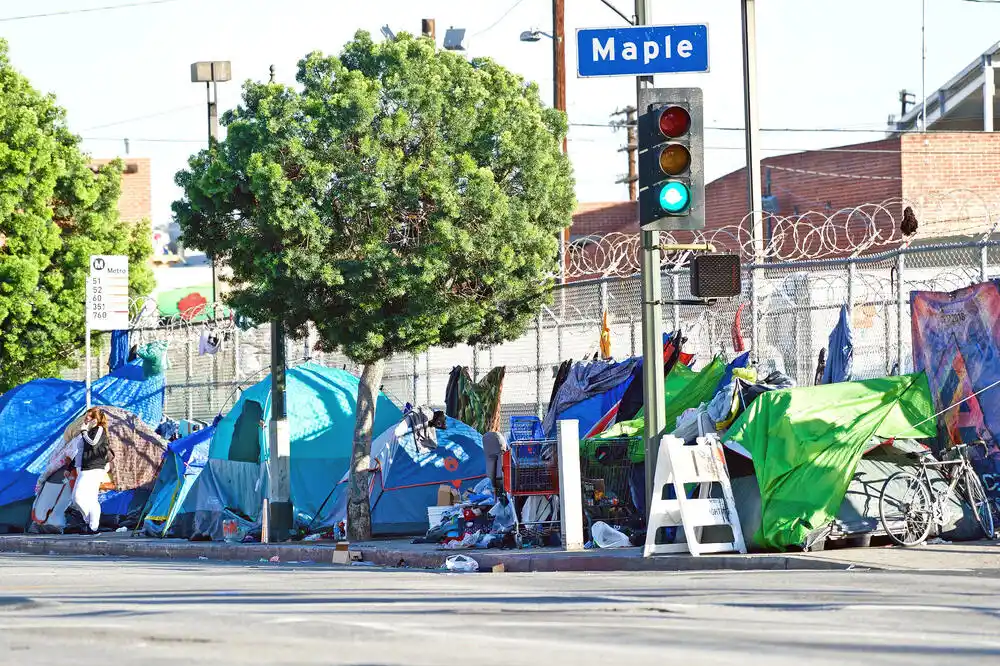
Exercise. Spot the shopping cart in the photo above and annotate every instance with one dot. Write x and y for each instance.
(531, 470)
(609, 473)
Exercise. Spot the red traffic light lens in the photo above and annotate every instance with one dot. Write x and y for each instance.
(674, 159)
(675, 121)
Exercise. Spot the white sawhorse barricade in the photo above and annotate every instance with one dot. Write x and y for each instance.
(704, 464)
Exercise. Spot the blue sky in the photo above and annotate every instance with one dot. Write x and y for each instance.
(821, 65)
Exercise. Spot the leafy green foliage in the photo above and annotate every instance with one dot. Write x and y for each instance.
(54, 213)
(402, 197)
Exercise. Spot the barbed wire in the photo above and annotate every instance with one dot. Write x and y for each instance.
(814, 235)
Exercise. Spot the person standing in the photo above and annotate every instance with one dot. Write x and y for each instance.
(93, 463)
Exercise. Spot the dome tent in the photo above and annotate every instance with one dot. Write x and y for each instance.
(406, 476)
(321, 406)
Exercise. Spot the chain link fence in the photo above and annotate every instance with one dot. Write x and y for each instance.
(795, 304)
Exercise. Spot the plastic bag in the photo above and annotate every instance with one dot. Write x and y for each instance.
(606, 536)
(461, 564)
(503, 516)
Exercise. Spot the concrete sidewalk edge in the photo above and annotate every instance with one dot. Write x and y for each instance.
(373, 554)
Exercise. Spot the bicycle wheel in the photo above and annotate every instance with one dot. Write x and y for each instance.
(979, 503)
(905, 509)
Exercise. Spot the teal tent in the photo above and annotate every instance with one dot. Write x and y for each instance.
(321, 406)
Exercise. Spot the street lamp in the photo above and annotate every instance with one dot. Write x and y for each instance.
(211, 73)
(534, 35)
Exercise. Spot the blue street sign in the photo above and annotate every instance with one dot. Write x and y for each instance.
(642, 50)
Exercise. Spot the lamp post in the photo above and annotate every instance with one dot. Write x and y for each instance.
(212, 73)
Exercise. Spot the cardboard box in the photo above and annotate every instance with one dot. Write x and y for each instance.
(444, 495)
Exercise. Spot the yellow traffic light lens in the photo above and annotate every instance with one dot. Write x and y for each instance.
(674, 159)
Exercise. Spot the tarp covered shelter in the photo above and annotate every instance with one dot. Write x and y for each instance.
(806, 444)
(321, 407)
(34, 416)
(406, 476)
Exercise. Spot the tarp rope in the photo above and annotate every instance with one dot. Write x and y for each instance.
(949, 408)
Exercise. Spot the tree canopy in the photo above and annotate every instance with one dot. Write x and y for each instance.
(55, 211)
(400, 197)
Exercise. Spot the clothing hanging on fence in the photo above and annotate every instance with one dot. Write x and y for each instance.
(210, 342)
(154, 358)
(119, 350)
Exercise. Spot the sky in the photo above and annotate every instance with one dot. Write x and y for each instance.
(125, 73)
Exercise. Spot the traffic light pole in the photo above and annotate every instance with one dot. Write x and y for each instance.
(654, 396)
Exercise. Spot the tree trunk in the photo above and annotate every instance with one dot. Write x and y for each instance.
(359, 519)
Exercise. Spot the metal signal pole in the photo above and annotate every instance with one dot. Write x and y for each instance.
(654, 396)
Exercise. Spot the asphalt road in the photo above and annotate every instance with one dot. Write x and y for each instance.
(117, 611)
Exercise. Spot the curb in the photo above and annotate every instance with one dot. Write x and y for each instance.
(389, 557)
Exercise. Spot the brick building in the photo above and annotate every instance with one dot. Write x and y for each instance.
(136, 200)
(949, 176)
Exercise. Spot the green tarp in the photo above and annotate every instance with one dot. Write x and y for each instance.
(684, 389)
(806, 444)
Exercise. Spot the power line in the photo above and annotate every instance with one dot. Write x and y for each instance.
(122, 138)
(138, 118)
(497, 22)
(86, 10)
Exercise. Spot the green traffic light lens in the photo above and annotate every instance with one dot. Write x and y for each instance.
(675, 198)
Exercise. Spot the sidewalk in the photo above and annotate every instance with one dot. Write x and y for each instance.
(395, 553)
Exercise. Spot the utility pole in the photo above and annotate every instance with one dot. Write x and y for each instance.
(427, 29)
(654, 395)
(559, 86)
(632, 148)
(277, 514)
(752, 133)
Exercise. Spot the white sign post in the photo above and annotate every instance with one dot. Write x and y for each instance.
(107, 299)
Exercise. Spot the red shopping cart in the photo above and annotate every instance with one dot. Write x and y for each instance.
(531, 471)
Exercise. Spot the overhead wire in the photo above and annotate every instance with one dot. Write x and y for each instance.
(157, 114)
(499, 20)
(86, 10)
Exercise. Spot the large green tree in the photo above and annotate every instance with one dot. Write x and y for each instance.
(401, 197)
(55, 211)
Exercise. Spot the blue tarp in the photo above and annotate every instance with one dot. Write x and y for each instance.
(34, 416)
(408, 476)
(840, 359)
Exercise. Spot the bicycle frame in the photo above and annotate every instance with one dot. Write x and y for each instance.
(954, 476)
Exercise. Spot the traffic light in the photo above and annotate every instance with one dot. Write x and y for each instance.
(671, 159)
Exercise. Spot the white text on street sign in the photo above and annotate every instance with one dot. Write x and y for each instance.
(642, 50)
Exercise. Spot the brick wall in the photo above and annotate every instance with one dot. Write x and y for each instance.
(135, 202)
(952, 180)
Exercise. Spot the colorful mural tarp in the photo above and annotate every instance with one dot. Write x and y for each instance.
(956, 341)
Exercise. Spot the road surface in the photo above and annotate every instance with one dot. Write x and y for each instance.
(119, 611)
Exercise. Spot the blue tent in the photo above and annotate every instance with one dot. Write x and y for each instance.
(34, 416)
(183, 462)
(321, 406)
(407, 476)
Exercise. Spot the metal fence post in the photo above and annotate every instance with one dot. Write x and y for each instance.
(984, 262)
(237, 361)
(755, 343)
(675, 294)
(427, 374)
(851, 273)
(416, 377)
(538, 366)
(189, 376)
(900, 310)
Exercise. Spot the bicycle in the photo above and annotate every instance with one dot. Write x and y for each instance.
(909, 516)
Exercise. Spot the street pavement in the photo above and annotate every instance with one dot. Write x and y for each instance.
(107, 610)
